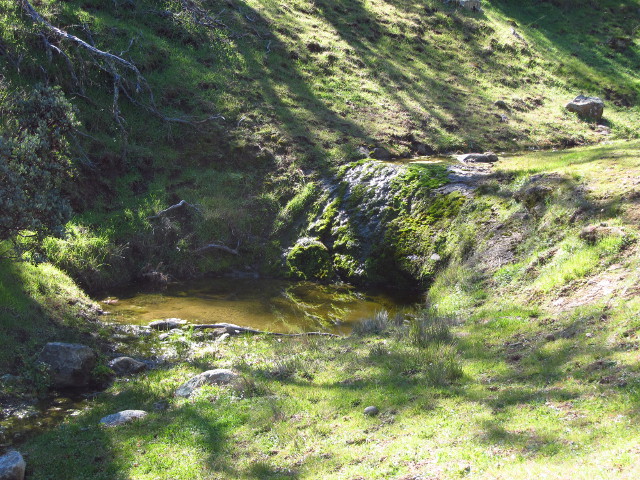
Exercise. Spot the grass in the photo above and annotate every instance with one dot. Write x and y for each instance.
(302, 86)
(524, 363)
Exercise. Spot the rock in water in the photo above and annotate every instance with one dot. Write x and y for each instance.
(126, 366)
(168, 324)
(70, 363)
(487, 157)
(587, 107)
(371, 411)
(219, 376)
(12, 466)
(120, 418)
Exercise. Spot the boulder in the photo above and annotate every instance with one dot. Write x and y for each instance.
(533, 196)
(12, 466)
(587, 107)
(70, 364)
(219, 376)
(120, 418)
(487, 157)
(126, 366)
(371, 411)
(381, 153)
(167, 324)
(474, 5)
(594, 233)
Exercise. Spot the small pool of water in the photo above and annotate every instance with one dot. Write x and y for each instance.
(265, 304)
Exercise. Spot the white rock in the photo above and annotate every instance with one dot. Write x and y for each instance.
(219, 376)
(12, 466)
(120, 418)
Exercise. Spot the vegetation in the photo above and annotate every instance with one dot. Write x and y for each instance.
(261, 116)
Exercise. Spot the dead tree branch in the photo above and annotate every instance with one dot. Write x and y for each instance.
(232, 329)
(181, 205)
(218, 246)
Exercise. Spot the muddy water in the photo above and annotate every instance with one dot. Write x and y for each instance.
(265, 304)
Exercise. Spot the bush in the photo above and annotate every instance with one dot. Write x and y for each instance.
(34, 162)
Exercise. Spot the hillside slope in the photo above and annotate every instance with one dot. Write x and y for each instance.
(277, 93)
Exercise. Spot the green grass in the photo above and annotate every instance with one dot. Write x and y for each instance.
(301, 87)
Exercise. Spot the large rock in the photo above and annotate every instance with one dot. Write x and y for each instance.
(487, 157)
(594, 233)
(587, 107)
(219, 376)
(126, 366)
(70, 364)
(381, 153)
(120, 418)
(475, 5)
(12, 466)
(167, 324)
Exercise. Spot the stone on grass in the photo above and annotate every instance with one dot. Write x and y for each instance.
(120, 418)
(594, 233)
(371, 411)
(475, 5)
(126, 366)
(487, 157)
(219, 376)
(70, 364)
(12, 466)
(167, 324)
(587, 107)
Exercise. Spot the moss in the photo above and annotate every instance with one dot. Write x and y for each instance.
(310, 259)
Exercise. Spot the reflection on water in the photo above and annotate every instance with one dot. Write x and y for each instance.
(266, 304)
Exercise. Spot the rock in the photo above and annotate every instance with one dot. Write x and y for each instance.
(587, 107)
(174, 332)
(120, 418)
(474, 5)
(12, 466)
(70, 364)
(381, 153)
(532, 196)
(371, 411)
(423, 149)
(502, 105)
(222, 338)
(594, 233)
(487, 157)
(435, 257)
(310, 259)
(168, 324)
(363, 152)
(219, 376)
(126, 366)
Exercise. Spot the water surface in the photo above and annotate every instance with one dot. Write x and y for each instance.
(265, 304)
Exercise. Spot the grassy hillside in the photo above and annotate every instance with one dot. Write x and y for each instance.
(277, 93)
(523, 364)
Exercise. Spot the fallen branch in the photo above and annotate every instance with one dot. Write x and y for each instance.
(178, 206)
(219, 246)
(236, 329)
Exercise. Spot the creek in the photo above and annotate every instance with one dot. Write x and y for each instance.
(264, 304)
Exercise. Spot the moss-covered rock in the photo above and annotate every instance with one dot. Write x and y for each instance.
(310, 259)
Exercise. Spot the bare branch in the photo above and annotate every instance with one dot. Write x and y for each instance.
(218, 246)
(178, 206)
(236, 329)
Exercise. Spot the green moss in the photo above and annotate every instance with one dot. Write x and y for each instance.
(310, 259)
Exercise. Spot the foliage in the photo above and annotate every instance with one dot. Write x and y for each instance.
(34, 162)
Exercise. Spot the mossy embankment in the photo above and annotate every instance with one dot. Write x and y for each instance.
(523, 363)
(290, 92)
